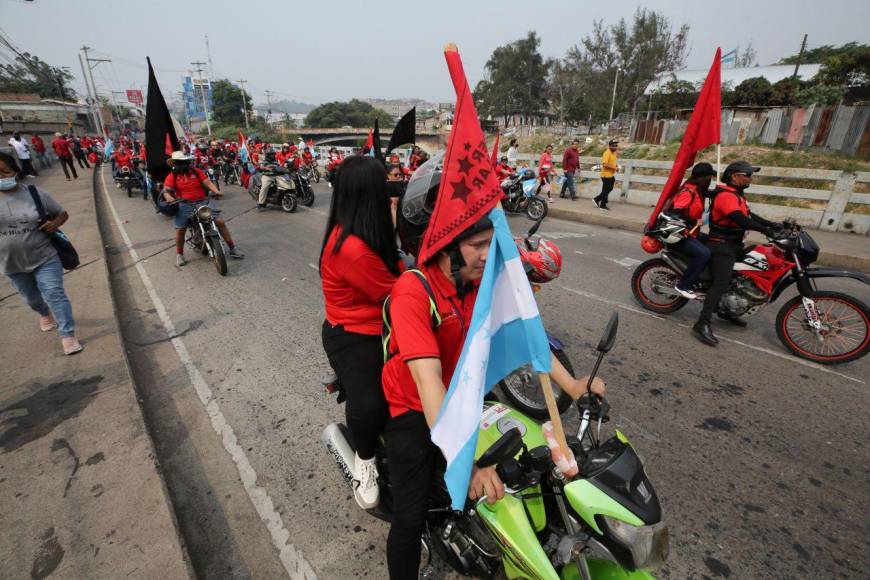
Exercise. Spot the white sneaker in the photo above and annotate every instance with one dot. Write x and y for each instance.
(179, 260)
(365, 480)
(685, 293)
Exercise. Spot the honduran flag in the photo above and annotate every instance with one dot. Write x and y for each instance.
(506, 333)
(243, 148)
(108, 148)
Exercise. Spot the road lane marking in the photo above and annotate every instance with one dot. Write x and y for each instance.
(578, 252)
(564, 235)
(291, 557)
(625, 262)
(312, 266)
(765, 350)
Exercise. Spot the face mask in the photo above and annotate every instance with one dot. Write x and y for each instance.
(395, 188)
(7, 183)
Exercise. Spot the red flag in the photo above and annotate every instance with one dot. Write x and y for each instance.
(241, 139)
(370, 142)
(495, 149)
(703, 131)
(469, 187)
(310, 143)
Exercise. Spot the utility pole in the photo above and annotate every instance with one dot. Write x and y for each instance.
(199, 69)
(88, 71)
(210, 65)
(799, 57)
(118, 105)
(244, 101)
(63, 98)
(613, 98)
(269, 106)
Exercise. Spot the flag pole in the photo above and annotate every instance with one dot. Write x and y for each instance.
(718, 162)
(555, 418)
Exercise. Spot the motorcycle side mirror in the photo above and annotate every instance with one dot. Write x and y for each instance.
(534, 228)
(508, 445)
(609, 336)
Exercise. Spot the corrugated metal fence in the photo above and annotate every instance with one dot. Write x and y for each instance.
(841, 128)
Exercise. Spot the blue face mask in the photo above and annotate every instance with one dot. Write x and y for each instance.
(7, 183)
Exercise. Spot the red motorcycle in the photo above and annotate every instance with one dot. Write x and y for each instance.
(821, 326)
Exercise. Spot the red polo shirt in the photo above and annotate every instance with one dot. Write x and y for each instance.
(61, 147)
(413, 337)
(727, 201)
(187, 186)
(689, 200)
(355, 282)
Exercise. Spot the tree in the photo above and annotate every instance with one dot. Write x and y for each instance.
(228, 102)
(354, 113)
(746, 58)
(28, 74)
(515, 80)
(821, 54)
(819, 94)
(756, 91)
(643, 49)
(675, 95)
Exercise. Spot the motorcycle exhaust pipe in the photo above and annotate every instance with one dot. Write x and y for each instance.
(337, 440)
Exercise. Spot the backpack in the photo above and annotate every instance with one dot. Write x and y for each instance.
(387, 329)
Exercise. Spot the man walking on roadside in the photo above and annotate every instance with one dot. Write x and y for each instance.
(64, 155)
(570, 164)
(22, 150)
(608, 171)
(39, 149)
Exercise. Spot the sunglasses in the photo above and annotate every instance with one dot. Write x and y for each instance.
(747, 175)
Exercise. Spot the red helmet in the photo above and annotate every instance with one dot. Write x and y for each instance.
(544, 263)
(651, 245)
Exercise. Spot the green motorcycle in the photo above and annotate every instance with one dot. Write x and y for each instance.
(605, 523)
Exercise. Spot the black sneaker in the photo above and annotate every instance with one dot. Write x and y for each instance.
(261, 207)
(604, 207)
(595, 201)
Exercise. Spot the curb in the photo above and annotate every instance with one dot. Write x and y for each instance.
(833, 260)
(188, 565)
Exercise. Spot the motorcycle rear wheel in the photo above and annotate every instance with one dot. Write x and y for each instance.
(846, 334)
(656, 271)
(537, 208)
(522, 389)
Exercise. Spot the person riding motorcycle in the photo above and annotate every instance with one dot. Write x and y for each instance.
(267, 173)
(689, 205)
(430, 311)
(729, 219)
(503, 169)
(186, 185)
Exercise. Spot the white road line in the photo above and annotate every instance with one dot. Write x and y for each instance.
(292, 558)
(625, 262)
(578, 252)
(771, 352)
(312, 266)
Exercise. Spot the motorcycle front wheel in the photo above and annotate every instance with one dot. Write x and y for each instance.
(308, 197)
(316, 176)
(218, 255)
(845, 333)
(537, 208)
(522, 388)
(288, 203)
(129, 188)
(653, 287)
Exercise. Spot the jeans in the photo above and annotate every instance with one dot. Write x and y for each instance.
(44, 159)
(607, 184)
(27, 167)
(67, 162)
(700, 254)
(414, 464)
(722, 258)
(83, 161)
(45, 285)
(358, 359)
(569, 185)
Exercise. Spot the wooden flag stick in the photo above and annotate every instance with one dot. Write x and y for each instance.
(555, 418)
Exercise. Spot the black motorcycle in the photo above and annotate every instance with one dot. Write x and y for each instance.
(231, 173)
(203, 236)
(521, 195)
(129, 179)
(303, 186)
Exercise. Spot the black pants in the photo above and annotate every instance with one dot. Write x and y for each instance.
(27, 167)
(607, 184)
(67, 162)
(414, 463)
(358, 359)
(83, 161)
(722, 258)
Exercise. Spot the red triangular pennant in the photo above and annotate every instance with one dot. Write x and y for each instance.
(469, 187)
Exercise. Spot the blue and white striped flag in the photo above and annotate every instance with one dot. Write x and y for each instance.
(506, 333)
(108, 149)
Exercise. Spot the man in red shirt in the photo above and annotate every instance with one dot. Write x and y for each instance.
(570, 165)
(426, 339)
(64, 154)
(503, 169)
(186, 186)
(729, 219)
(39, 149)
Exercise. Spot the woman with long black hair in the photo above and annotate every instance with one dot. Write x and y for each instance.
(359, 263)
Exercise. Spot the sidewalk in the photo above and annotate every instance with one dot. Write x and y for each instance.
(82, 496)
(839, 250)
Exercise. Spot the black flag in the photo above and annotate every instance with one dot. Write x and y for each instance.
(376, 142)
(160, 137)
(405, 131)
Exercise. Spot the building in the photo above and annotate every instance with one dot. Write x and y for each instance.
(734, 76)
(30, 114)
(192, 96)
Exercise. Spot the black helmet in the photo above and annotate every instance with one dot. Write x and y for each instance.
(418, 203)
(270, 155)
(739, 167)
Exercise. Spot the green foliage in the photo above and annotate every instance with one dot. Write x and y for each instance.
(821, 54)
(755, 91)
(228, 102)
(354, 113)
(675, 95)
(819, 94)
(849, 68)
(515, 82)
(28, 74)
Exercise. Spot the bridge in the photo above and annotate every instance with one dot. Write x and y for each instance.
(427, 140)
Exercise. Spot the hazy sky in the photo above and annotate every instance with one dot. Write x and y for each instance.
(318, 51)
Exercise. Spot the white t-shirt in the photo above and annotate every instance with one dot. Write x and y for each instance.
(512, 154)
(21, 148)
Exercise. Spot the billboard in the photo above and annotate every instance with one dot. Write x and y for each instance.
(135, 97)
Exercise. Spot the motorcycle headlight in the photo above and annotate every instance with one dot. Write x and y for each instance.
(203, 212)
(649, 545)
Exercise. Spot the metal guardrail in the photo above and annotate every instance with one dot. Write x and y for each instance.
(833, 218)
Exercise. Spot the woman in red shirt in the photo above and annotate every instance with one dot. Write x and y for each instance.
(359, 262)
(545, 169)
(689, 204)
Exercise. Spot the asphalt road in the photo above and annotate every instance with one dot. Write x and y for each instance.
(759, 459)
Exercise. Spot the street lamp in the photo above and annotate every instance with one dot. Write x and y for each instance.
(613, 98)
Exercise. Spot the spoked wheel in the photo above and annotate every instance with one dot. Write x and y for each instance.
(537, 208)
(653, 286)
(523, 390)
(316, 176)
(218, 255)
(308, 197)
(845, 332)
